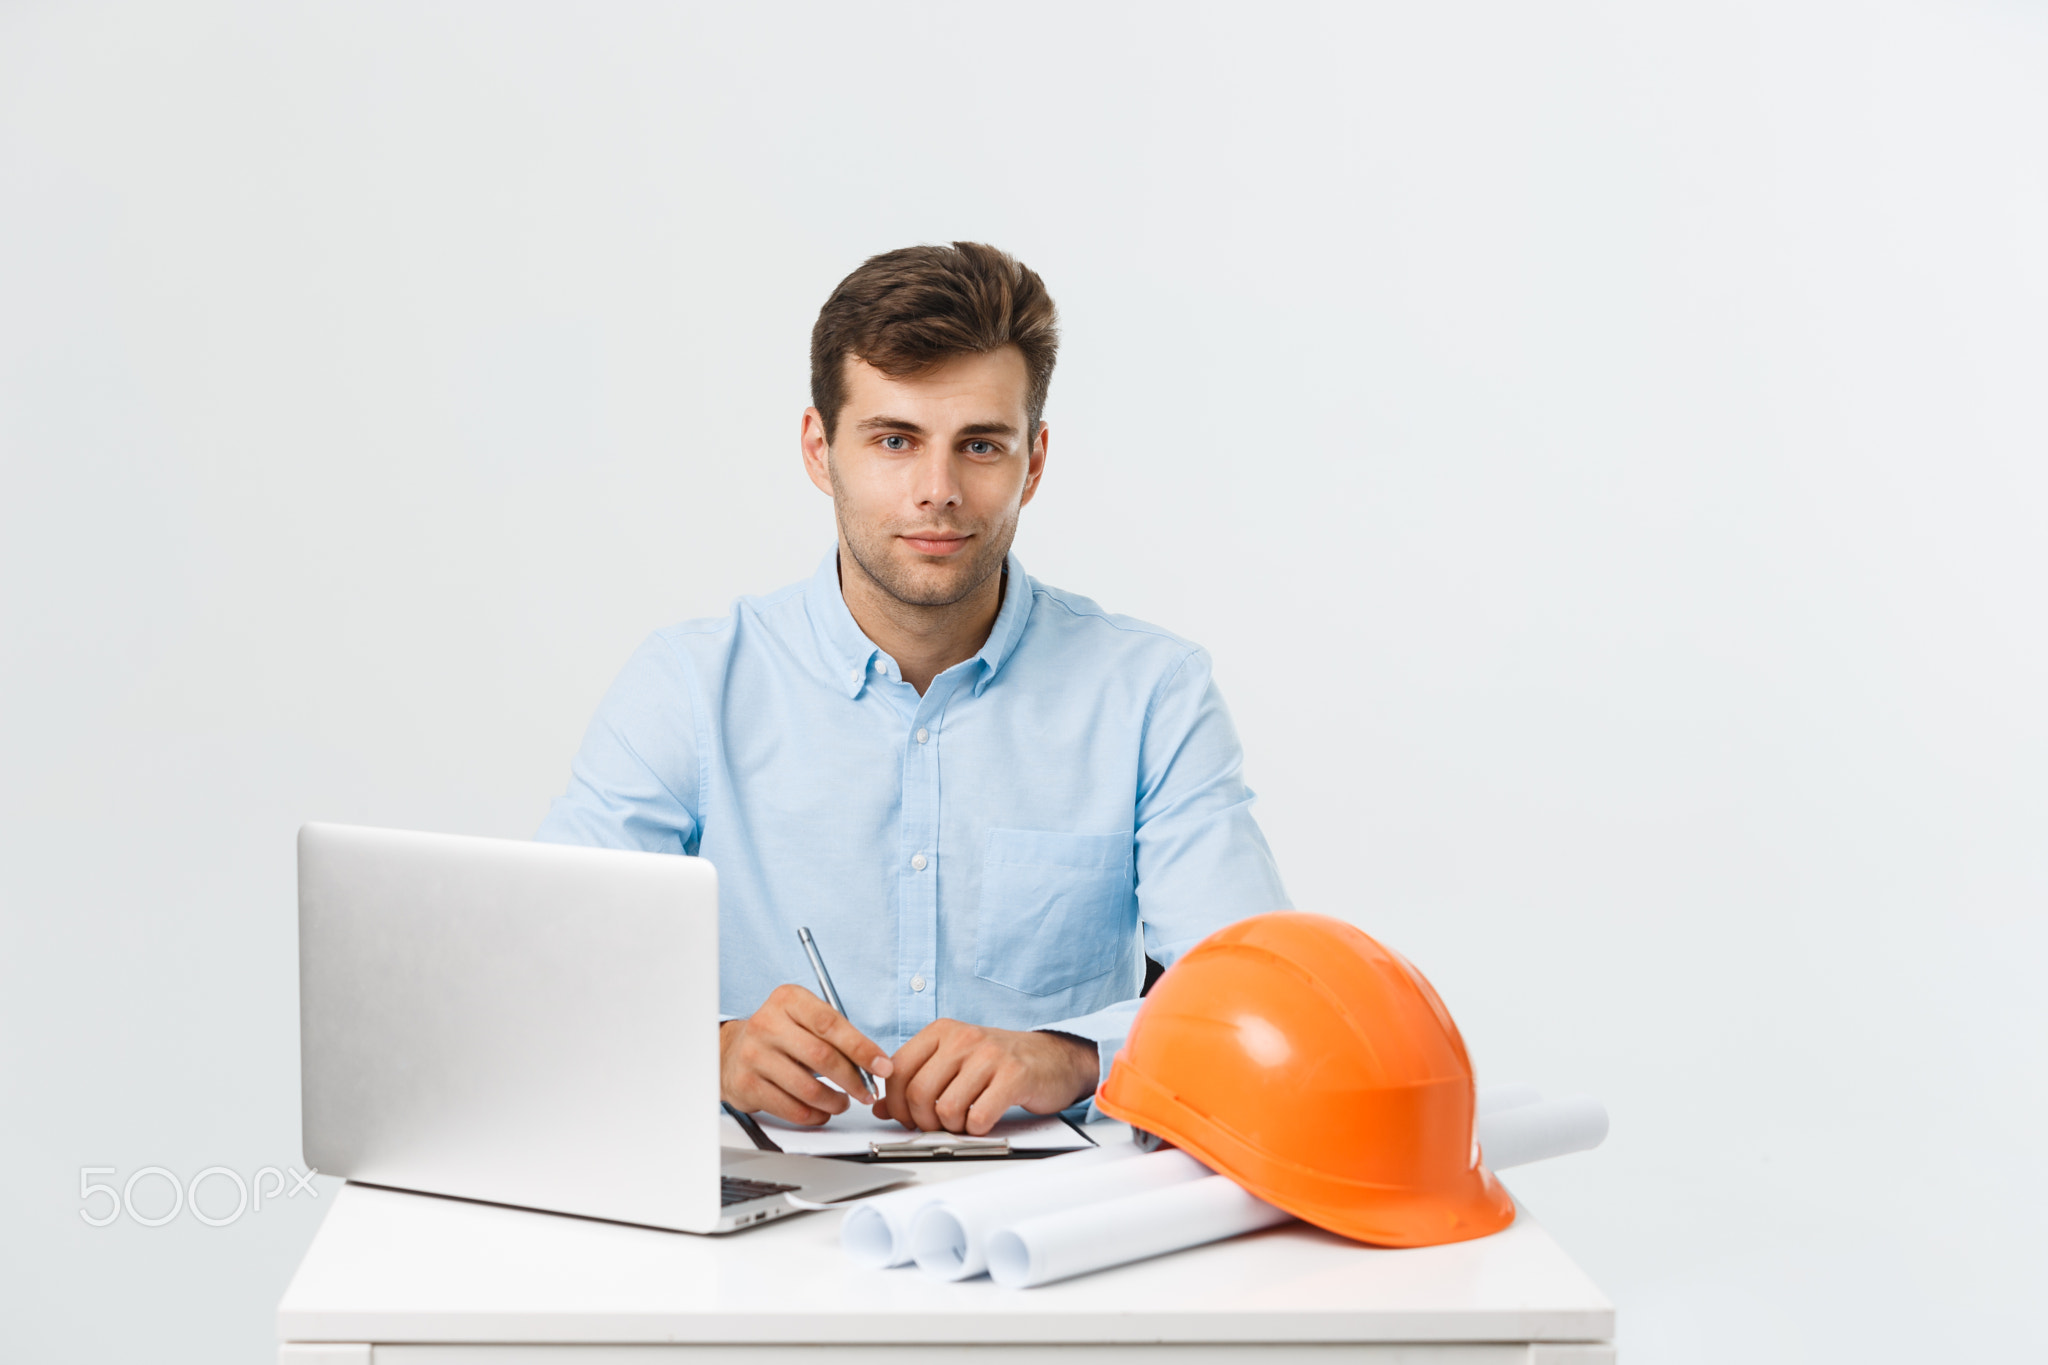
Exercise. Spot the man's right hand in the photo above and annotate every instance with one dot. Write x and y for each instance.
(772, 1060)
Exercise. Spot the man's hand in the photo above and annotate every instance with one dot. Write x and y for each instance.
(773, 1059)
(961, 1077)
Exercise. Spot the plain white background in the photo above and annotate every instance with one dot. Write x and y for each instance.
(1604, 446)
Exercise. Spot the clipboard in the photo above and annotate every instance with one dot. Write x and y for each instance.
(926, 1147)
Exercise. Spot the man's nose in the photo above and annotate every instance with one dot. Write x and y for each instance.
(938, 484)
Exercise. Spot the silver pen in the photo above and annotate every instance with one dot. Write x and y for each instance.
(832, 999)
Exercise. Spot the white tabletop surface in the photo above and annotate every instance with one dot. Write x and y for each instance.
(391, 1266)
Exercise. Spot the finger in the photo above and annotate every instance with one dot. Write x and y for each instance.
(919, 1049)
(843, 1073)
(819, 1056)
(893, 1105)
(789, 997)
(847, 1052)
(994, 1101)
(788, 1033)
(779, 1069)
(766, 1098)
(961, 1093)
(821, 1021)
(908, 1061)
(931, 1082)
(807, 1009)
(857, 1046)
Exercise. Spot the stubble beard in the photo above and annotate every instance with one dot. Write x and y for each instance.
(919, 585)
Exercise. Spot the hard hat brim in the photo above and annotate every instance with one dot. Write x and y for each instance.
(1384, 1215)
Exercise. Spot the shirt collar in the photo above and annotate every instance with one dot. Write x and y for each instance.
(851, 652)
(1009, 626)
(845, 648)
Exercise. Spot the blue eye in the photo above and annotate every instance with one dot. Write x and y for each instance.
(895, 443)
(980, 448)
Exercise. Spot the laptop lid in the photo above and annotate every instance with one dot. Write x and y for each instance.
(525, 1023)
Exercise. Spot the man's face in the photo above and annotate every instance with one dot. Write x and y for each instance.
(927, 474)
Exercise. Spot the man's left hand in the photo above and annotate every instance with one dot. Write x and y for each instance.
(962, 1077)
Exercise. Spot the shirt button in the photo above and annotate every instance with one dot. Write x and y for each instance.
(917, 984)
(923, 735)
(853, 675)
(918, 862)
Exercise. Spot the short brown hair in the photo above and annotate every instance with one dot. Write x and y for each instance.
(907, 311)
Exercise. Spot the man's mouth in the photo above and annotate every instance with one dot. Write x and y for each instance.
(938, 543)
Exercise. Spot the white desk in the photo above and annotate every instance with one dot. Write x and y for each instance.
(405, 1279)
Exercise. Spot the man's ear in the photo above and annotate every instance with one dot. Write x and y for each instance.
(817, 450)
(1036, 468)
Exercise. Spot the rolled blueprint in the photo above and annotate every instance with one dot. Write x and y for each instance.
(949, 1237)
(1494, 1098)
(1054, 1246)
(1536, 1132)
(876, 1232)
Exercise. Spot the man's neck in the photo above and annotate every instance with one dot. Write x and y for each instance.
(924, 641)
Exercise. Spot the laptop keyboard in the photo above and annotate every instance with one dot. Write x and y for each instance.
(733, 1190)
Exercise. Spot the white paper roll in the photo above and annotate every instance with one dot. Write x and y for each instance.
(876, 1232)
(1536, 1132)
(949, 1236)
(1054, 1246)
(1494, 1098)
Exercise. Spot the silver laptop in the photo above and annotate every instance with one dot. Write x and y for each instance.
(528, 1024)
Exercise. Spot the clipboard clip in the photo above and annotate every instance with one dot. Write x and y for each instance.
(915, 1148)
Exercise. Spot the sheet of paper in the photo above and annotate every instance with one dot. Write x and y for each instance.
(1078, 1239)
(876, 1231)
(849, 1134)
(950, 1239)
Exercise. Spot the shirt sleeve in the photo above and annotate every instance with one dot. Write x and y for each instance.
(1202, 861)
(634, 782)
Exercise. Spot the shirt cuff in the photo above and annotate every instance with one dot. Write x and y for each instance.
(1106, 1029)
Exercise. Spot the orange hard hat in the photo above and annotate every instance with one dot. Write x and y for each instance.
(1317, 1069)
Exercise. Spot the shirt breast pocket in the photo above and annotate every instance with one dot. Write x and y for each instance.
(1055, 909)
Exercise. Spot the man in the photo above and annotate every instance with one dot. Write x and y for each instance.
(974, 788)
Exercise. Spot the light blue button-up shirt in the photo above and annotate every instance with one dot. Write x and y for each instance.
(1005, 849)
